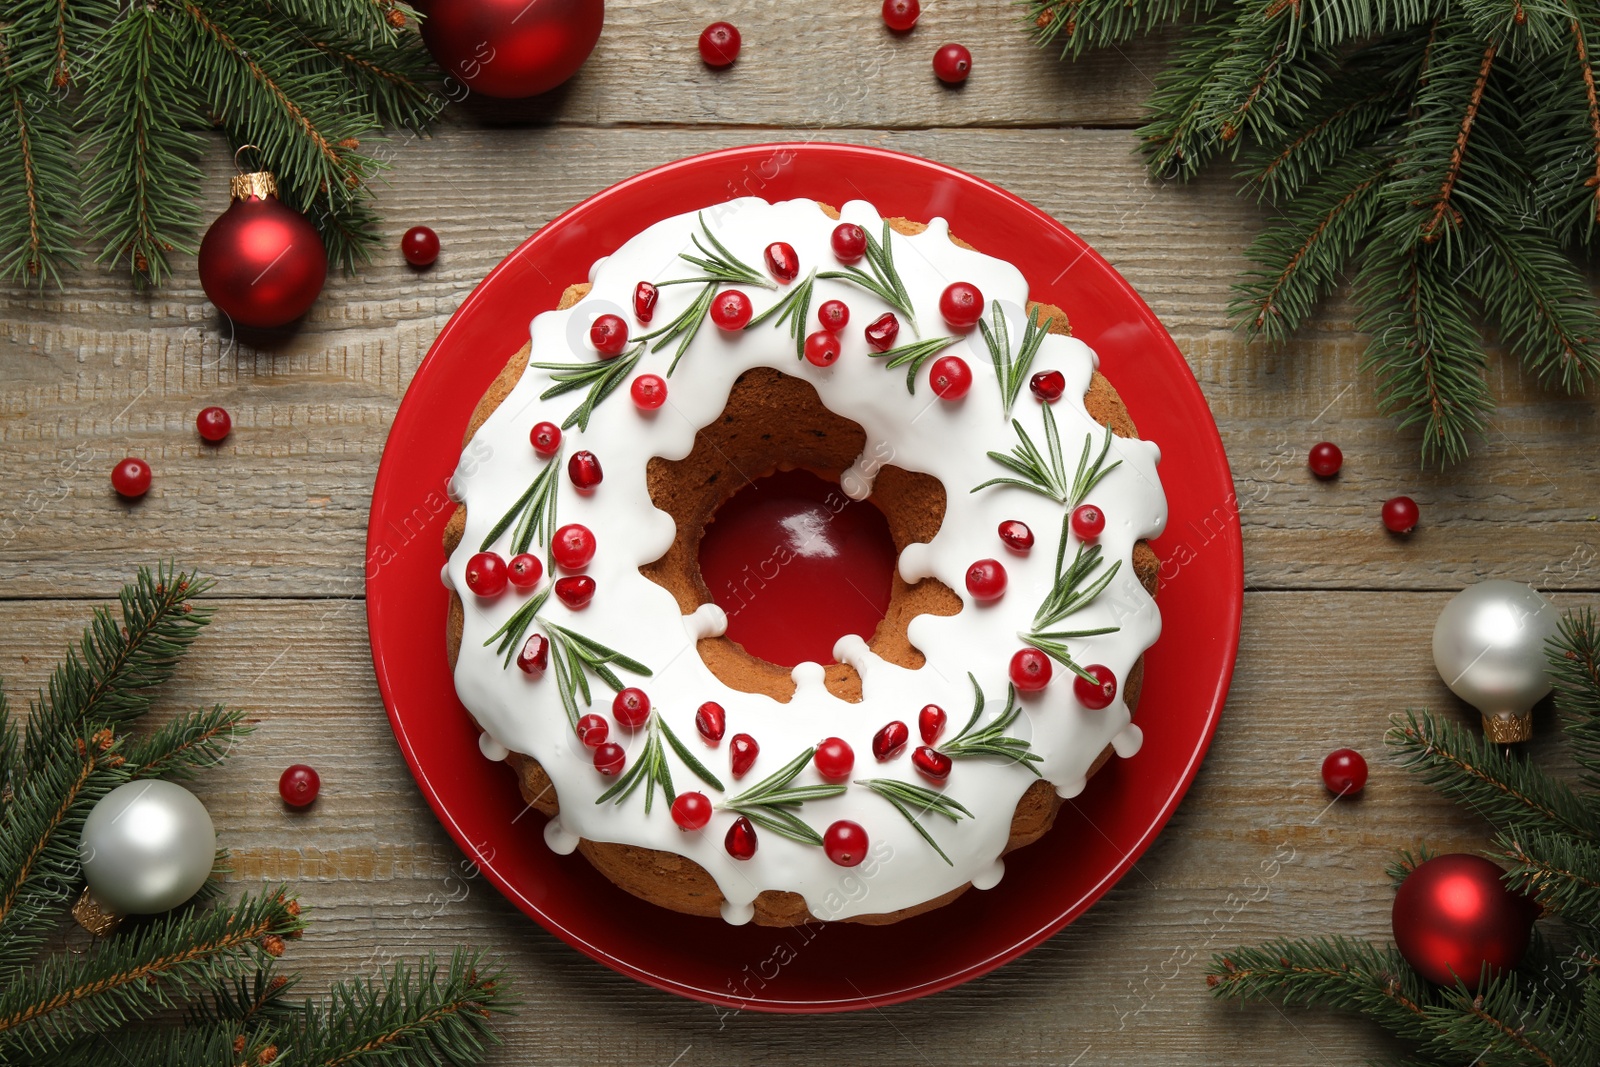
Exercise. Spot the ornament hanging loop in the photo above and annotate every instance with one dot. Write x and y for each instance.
(237, 152)
(256, 184)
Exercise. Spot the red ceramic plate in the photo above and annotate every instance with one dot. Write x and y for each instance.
(838, 967)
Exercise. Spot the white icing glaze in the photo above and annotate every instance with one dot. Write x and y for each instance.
(914, 431)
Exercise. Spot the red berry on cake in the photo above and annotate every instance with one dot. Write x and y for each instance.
(950, 377)
(931, 763)
(524, 571)
(952, 64)
(889, 741)
(691, 811)
(822, 348)
(649, 391)
(741, 839)
(584, 471)
(1400, 514)
(711, 721)
(834, 759)
(1088, 522)
(299, 785)
(742, 753)
(645, 296)
(1325, 459)
(573, 546)
(420, 246)
(986, 579)
(631, 707)
(833, 314)
(486, 574)
(1048, 385)
(593, 730)
(1016, 535)
(545, 438)
(730, 310)
(1030, 670)
(719, 44)
(930, 723)
(609, 335)
(575, 590)
(882, 331)
(213, 424)
(131, 478)
(1344, 772)
(849, 242)
(535, 655)
(961, 304)
(609, 759)
(845, 843)
(1098, 693)
(782, 263)
(901, 15)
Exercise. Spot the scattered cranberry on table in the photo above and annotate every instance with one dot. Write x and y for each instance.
(986, 579)
(952, 64)
(649, 391)
(1325, 459)
(1400, 514)
(299, 785)
(888, 742)
(545, 438)
(1344, 772)
(882, 331)
(742, 753)
(420, 246)
(213, 424)
(486, 574)
(730, 310)
(691, 811)
(575, 590)
(645, 296)
(711, 720)
(931, 763)
(1016, 535)
(609, 335)
(950, 377)
(573, 546)
(631, 707)
(1048, 385)
(1030, 670)
(834, 759)
(901, 15)
(741, 839)
(961, 304)
(782, 262)
(593, 730)
(609, 759)
(834, 315)
(845, 843)
(822, 348)
(1098, 693)
(584, 470)
(131, 478)
(524, 570)
(930, 723)
(1088, 522)
(849, 242)
(719, 44)
(535, 655)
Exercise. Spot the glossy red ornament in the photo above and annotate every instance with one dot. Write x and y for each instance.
(545, 437)
(782, 262)
(691, 811)
(524, 571)
(609, 759)
(952, 64)
(730, 310)
(719, 44)
(631, 707)
(888, 742)
(822, 348)
(299, 785)
(1325, 459)
(1016, 535)
(930, 723)
(741, 839)
(1088, 522)
(1030, 670)
(834, 759)
(833, 315)
(901, 15)
(649, 391)
(711, 720)
(882, 331)
(575, 590)
(845, 843)
(609, 335)
(645, 296)
(1344, 772)
(420, 246)
(131, 478)
(931, 763)
(742, 753)
(1098, 693)
(1048, 385)
(535, 655)
(1400, 514)
(486, 574)
(961, 304)
(573, 546)
(593, 730)
(584, 471)
(849, 242)
(510, 48)
(986, 579)
(213, 424)
(950, 377)
(261, 263)
(1453, 915)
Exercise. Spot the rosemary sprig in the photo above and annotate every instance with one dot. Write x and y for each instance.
(601, 377)
(793, 309)
(717, 264)
(652, 770)
(1011, 372)
(1046, 473)
(912, 357)
(884, 280)
(574, 657)
(514, 629)
(773, 802)
(911, 800)
(1074, 588)
(534, 514)
(682, 328)
(992, 740)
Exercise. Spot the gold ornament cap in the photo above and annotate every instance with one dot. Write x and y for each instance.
(258, 183)
(1508, 729)
(94, 916)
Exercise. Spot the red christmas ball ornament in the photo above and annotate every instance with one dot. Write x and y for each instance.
(1344, 772)
(511, 48)
(719, 44)
(952, 64)
(213, 424)
(1454, 916)
(131, 478)
(420, 246)
(299, 785)
(262, 263)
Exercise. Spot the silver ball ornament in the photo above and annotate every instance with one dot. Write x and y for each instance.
(147, 847)
(1489, 647)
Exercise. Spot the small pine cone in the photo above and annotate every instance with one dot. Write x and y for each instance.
(104, 739)
(292, 907)
(273, 944)
(267, 1055)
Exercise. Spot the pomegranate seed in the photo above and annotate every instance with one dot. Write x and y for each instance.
(691, 811)
(545, 438)
(711, 721)
(833, 314)
(609, 335)
(932, 763)
(420, 246)
(593, 731)
(609, 759)
(131, 478)
(631, 707)
(986, 579)
(730, 310)
(889, 741)
(834, 759)
(719, 45)
(930, 723)
(213, 424)
(524, 571)
(1400, 514)
(849, 242)
(782, 263)
(952, 64)
(649, 391)
(1016, 535)
(1098, 693)
(574, 546)
(1088, 522)
(741, 839)
(575, 590)
(822, 348)
(961, 304)
(584, 471)
(1325, 461)
(1048, 385)
(1344, 772)
(645, 296)
(901, 15)
(845, 842)
(299, 785)
(535, 655)
(882, 331)
(1030, 670)
(486, 574)
(742, 752)
(950, 377)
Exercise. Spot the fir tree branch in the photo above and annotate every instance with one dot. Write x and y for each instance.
(36, 156)
(187, 744)
(1561, 871)
(217, 1043)
(1443, 214)
(1574, 659)
(1546, 310)
(390, 71)
(1080, 25)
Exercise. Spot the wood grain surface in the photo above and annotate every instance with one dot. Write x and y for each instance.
(1337, 615)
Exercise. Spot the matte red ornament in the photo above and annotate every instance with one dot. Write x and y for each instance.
(486, 574)
(261, 263)
(575, 590)
(930, 723)
(535, 656)
(782, 262)
(1344, 772)
(213, 424)
(742, 753)
(510, 48)
(131, 478)
(834, 759)
(882, 331)
(711, 720)
(888, 742)
(420, 246)
(299, 785)
(691, 811)
(1453, 916)
(845, 843)
(931, 763)
(741, 839)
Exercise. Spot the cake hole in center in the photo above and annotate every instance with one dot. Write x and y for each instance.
(796, 564)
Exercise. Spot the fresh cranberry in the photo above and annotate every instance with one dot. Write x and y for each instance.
(961, 304)
(486, 574)
(930, 723)
(782, 263)
(609, 759)
(1016, 535)
(887, 742)
(649, 391)
(535, 655)
(711, 721)
(822, 348)
(420, 246)
(741, 839)
(1048, 385)
(845, 843)
(952, 64)
(849, 242)
(901, 15)
(299, 785)
(730, 310)
(1030, 670)
(719, 44)
(584, 471)
(950, 377)
(524, 571)
(645, 296)
(1400, 514)
(834, 759)
(882, 331)
(1344, 772)
(932, 763)
(131, 478)
(609, 335)
(573, 547)
(545, 438)
(1088, 522)
(833, 314)
(742, 753)
(213, 424)
(631, 707)
(575, 590)
(1098, 693)
(1325, 460)
(986, 579)
(691, 811)
(593, 730)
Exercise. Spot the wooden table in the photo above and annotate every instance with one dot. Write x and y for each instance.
(1338, 614)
